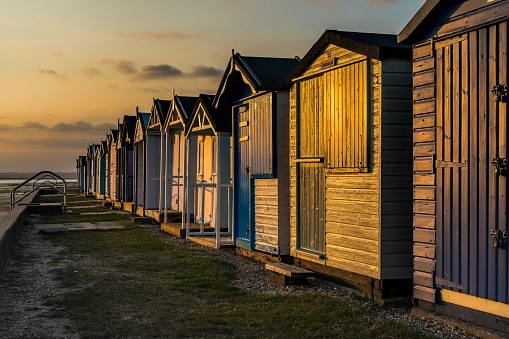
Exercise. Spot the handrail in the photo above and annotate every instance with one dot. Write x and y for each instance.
(47, 175)
(44, 184)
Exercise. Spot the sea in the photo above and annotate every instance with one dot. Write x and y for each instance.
(7, 184)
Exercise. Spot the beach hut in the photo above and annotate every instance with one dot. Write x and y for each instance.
(91, 170)
(175, 163)
(139, 163)
(107, 183)
(154, 148)
(125, 162)
(461, 250)
(210, 221)
(100, 174)
(82, 172)
(115, 133)
(351, 161)
(254, 89)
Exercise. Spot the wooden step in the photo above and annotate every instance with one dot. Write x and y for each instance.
(285, 274)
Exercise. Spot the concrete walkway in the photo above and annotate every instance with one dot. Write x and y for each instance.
(78, 226)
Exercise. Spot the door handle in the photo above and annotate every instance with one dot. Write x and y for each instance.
(247, 170)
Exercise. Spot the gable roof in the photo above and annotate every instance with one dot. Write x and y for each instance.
(129, 128)
(372, 45)
(113, 136)
(141, 126)
(220, 119)
(180, 111)
(261, 73)
(439, 18)
(158, 113)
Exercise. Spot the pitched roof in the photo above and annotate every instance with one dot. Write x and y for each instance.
(262, 73)
(186, 104)
(129, 127)
(219, 118)
(144, 118)
(372, 45)
(160, 108)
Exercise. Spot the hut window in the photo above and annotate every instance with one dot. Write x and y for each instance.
(260, 130)
(346, 115)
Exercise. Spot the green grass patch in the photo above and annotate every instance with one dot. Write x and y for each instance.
(130, 283)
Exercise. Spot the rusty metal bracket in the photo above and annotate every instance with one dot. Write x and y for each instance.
(500, 92)
(500, 237)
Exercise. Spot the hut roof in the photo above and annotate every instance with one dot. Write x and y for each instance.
(129, 127)
(186, 104)
(220, 119)
(262, 73)
(372, 45)
(144, 118)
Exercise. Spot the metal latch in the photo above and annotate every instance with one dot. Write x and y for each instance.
(247, 229)
(499, 237)
(500, 165)
(247, 170)
(500, 92)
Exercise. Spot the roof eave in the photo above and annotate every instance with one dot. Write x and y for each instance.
(405, 35)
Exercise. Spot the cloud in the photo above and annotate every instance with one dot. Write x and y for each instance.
(205, 72)
(170, 35)
(159, 72)
(78, 126)
(4, 127)
(52, 73)
(122, 66)
(34, 125)
(92, 72)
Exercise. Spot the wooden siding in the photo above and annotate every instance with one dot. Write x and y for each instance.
(345, 116)
(139, 172)
(266, 215)
(424, 146)
(152, 178)
(261, 135)
(396, 169)
(113, 171)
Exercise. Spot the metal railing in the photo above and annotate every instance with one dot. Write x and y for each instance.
(62, 189)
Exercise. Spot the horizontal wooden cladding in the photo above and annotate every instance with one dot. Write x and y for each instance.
(425, 236)
(424, 207)
(423, 279)
(425, 293)
(354, 231)
(424, 264)
(425, 250)
(424, 149)
(355, 243)
(424, 121)
(424, 92)
(352, 255)
(346, 206)
(355, 218)
(424, 135)
(424, 64)
(424, 179)
(353, 266)
(424, 193)
(424, 164)
(352, 194)
(425, 106)
(423, 50)
(424, 221)
(424, 78)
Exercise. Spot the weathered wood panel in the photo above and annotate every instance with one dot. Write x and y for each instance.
(332, 57)
(265, 213)
(261, 135)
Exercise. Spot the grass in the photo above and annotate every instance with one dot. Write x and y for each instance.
(130, 283)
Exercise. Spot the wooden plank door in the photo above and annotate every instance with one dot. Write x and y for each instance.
(310, 167)
(471, 193)
(176, 170)
(243, 227)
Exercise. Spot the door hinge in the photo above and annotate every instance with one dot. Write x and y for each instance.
(500, 165)
(500, 92)
(499, 238)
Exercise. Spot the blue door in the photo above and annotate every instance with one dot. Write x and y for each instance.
(243, 227)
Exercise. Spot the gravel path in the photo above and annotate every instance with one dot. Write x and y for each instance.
(26, 279)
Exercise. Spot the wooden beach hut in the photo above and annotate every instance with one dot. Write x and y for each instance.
(351, 161)
(125, 162)
(91, 169)
(210, 221)
(140, 163)
(254, 89)
(100, 171)
(154, 148)
(461, 250)
(113, 163)
(82, 172)
(176, 157)
(107, 184)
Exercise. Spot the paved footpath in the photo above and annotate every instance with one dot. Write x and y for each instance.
(77, 226)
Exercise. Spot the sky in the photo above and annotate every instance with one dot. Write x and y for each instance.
(71, 68)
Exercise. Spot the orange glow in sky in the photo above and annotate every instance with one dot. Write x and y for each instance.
(71, 68)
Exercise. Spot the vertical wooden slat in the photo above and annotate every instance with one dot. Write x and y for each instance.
(447, 171)
(464, 175)
(473, 163)
(439, 156)
(456, 137)
(483, 170)
(492, 153)
(503, 270)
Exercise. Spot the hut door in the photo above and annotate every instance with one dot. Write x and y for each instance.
(471, 158)
(176, 183)
(242, 175)
(310, 167)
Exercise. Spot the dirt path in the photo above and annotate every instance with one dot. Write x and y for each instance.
(26, 278)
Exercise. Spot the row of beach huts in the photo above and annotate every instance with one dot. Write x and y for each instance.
(376, 159)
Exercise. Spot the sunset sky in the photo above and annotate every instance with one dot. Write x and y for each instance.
(70, 68)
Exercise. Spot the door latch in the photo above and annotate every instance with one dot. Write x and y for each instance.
(247, 229)
(500, 165)
(247, 170)
(499, 237)
(500, 92)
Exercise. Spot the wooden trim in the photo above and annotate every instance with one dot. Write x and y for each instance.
(243, 123)
(314, 257)
(324, 70)
(475, 303)
(447, 42)
(244, 138)
(310, 160)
